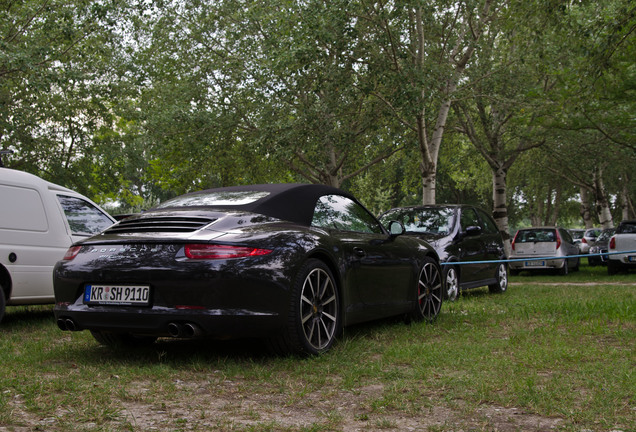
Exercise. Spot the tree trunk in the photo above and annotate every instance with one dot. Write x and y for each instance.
(556, 206)
(602, 202)
(626, 202)
(537, 212)
(586, 208)
(458, 59)
(500, 210)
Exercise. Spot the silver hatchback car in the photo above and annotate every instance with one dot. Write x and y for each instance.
(542, 249)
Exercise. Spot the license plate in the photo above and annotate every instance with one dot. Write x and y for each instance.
(535, 263)
(126, 295)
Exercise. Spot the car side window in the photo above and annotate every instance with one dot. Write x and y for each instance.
(565, 235)
(344, 214)
(469, 218)
(487, 223)
(83, 217)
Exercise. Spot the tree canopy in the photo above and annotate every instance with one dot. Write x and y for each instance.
(525, 108)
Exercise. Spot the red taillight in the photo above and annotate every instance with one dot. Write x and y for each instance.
(583, 240)
(512, 245)
(211, 251)
(558, 239)
(612, 243)
(71, 253)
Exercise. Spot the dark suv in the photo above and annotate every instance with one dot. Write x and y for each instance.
(460, 234)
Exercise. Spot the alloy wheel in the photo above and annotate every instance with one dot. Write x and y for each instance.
(452, 284)
(429, 291)
(319, 309)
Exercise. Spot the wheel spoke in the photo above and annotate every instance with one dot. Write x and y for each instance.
(329, 300)
(306, 317)
(331, 317)
(311, 287)
(312, 328)
(305, 300)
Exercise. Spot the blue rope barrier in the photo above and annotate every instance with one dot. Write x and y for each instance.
(552, 258)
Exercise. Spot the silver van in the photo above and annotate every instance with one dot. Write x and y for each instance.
(39, 220)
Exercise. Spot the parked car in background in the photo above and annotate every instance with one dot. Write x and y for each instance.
(290, 263)
(460, 234)
(577, 235)
(38, 222)
(589, 237)
(624, 240)
(600, 246)
(542, 249)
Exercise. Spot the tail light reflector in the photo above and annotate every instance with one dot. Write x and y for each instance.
(512, 245)
(71, 253)
(612, 243)
(212, 251)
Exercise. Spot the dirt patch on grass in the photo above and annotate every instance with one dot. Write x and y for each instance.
(230, 406)
(227, 406)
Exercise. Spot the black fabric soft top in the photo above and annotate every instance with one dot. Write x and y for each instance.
(293, 202)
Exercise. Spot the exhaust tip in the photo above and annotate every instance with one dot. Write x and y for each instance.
(61, 323)
(70, 324)
(191, 330)
(175, 330)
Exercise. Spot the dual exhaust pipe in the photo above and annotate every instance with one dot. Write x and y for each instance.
(67, 324)
(183, 330)
(176, 330)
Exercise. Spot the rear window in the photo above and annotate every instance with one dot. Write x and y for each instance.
(626, 228)
(577, 235)
(215, 199)
(536, 236)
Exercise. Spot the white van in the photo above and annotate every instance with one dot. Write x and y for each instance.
(38, 222)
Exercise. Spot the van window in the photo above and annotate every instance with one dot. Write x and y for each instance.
(22, 209)
(83, 217)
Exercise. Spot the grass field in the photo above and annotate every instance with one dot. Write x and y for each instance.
(553, 353)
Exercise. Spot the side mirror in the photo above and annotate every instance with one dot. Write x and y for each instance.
(396, 228)
(473, 230)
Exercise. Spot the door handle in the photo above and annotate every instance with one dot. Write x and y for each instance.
(359, 251)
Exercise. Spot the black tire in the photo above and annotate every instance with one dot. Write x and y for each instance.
(451, 283)
(3, 302)
(577, 267)
(565, 269)
(502, 280)
(429, 292)
(613, 267)
(122, 340)
(314, 319)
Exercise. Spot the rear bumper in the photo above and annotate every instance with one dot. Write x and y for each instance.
(531, 263)
(624, 259)
(168, 322)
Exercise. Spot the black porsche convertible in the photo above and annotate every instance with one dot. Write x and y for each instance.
(290, 263)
